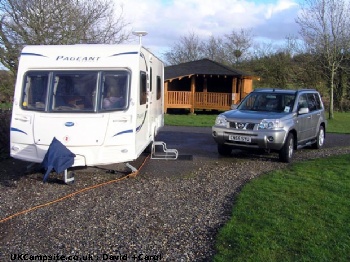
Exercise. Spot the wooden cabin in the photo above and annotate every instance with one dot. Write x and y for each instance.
(204, 84)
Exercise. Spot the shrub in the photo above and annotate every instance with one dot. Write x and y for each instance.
(5, 122)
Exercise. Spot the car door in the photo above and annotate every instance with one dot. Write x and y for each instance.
(303, 122)
(315, 114)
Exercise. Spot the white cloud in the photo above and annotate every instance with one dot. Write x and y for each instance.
(167, 20)
(280, 6)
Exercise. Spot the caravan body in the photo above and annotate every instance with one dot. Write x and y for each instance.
(103, 102)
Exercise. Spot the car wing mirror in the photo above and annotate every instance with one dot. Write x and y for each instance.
(303, 110)
(233, 107)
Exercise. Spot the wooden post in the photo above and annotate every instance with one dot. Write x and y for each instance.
(234, 83)
(205, 91)
(248, 85)
(166, 96)
(240, 88)
(193, 90)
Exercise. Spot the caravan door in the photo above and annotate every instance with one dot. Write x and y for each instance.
(143, 115)
(29, 101)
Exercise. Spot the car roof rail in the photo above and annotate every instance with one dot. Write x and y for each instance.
(306, 89)
(272, 89)
(262, 89)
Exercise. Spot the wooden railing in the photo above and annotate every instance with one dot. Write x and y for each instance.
(212, 100)
(178, 99)
(199, 100)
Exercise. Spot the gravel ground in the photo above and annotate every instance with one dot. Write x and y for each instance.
(150, 215)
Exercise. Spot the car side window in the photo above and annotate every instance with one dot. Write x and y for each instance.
(311, 101)
(302, 102)
(318, 102)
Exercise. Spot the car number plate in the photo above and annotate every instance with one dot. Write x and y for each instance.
(240, 138)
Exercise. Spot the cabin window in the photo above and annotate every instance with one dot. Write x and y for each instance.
(114, 94)
(143, 88)
(34, 95)
(159, 87)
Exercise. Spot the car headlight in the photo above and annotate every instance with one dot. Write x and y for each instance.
(270, 124)
(221, 121)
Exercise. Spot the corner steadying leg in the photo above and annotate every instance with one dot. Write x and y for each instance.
(68, 177)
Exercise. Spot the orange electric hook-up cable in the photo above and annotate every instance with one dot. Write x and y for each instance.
(133, 174)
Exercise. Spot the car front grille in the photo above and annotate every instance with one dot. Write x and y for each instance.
(242, 125)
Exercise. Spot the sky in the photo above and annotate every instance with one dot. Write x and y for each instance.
(166, 21)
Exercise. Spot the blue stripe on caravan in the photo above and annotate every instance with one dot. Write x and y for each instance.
(123, 132)
(126, 53)
(143, 121)
(33, 54)
(17, 130)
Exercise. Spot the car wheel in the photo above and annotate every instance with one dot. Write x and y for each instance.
(286, 153)
(319, 139)
(224, 150)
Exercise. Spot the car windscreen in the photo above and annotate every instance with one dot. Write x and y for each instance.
(268, 102)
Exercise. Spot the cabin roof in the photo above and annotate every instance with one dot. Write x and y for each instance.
(201, 67)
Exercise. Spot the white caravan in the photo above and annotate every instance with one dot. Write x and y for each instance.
(103, 102)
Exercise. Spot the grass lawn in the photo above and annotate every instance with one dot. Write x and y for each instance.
(298, 214)
(189, 120)
(340, 123)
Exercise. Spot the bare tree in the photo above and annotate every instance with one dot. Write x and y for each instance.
(214, 49)
(325, 28)
(188, 48)
(238, 44)
(51, 22)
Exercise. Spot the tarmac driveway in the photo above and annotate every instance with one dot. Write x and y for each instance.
(196, 147)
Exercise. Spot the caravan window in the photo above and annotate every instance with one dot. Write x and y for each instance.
(114, 95)
(34, 96)
(150, 79)
(159, 87)
(74, 91)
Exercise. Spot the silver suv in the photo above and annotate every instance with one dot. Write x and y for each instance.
(274, 120)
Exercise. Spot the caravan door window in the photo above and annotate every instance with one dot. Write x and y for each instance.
(159, 87)
(143, 88)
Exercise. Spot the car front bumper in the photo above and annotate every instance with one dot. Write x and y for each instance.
(252, 139)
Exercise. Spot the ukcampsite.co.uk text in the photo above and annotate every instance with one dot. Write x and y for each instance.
(89, 257)
(55, 257)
